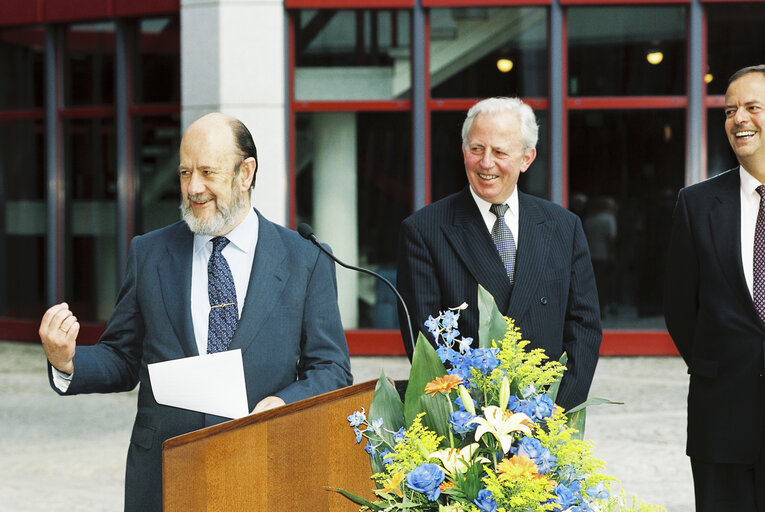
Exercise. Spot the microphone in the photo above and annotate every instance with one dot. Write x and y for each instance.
(306, 232)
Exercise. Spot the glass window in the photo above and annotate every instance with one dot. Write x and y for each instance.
(89, 62)
(728, 50)
(354, 187)
(352, 54)
(90, 164)
(22, 219)
(720, 156)
(448, 169)
(157, 140)
(158, 63)
(488, 51)
(22, 51)
(614, 51)
(625, 168)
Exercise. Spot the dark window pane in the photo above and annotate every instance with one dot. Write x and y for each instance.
(22, 219)
(91, 190)
(720, 156)
(447, 173)
(469, 46)
(352, 54)
(609, 50)
(354, 187)
(158, 63)
(89, 60)
(735, 40)
(628, 166)
(157, 139)
(22, 53)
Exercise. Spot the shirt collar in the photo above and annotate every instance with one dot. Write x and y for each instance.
(244, 236)
(749, 183)
(484, 205)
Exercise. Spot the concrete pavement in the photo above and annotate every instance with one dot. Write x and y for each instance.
(68, 453)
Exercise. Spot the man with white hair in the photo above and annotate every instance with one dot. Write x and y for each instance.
(530, 254)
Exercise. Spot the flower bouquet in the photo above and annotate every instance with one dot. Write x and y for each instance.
(479, 429)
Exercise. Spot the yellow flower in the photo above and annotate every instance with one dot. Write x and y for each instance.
(456, 461)
(501, 424)
(394, 484)
(443, 384)
(516, 468)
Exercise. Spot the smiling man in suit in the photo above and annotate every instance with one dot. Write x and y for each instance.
(222, 278)
(715, 308)
(530, 254)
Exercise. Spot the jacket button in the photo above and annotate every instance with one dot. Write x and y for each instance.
(543, 301)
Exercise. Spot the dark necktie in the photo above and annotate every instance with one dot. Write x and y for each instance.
(758, 277)
(503, 239)
(224, 313)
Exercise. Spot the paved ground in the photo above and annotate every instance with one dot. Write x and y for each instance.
(68, 453)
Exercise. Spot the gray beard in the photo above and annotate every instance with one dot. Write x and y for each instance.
(225, 216)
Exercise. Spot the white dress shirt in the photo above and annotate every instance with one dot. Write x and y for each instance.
(239, 254)
(511, 216)
(750, 206)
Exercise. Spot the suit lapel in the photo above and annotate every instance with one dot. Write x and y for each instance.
(174, 276)
(534, 244)
(725, 228)
(472, 243)
(268, 277)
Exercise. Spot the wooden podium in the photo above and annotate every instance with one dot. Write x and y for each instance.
(278, 460)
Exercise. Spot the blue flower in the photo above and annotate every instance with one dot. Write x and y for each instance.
(382, 456)
(485, 359)
(359, 434)
(567, 497)
(459, 422)
(449, 319)
(529, 391)
(532, 448)
(432, 325)
(399, 435)
(541, 407)
(485, 502)
(599, 491)
(426, 478)
(357, 418)
(376, 424)
(465, 344)
(450, 335)
(445, 353)
(369, 448)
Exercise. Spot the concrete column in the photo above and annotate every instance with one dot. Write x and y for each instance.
(335, 214)
(233, 61)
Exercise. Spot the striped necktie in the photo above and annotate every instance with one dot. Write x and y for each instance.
(503, 239)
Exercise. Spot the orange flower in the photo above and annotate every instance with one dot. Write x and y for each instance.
(446, 485)
(443, 384)
(517, 467)
(394, 484)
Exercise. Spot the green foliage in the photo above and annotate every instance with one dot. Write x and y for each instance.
(426, 366)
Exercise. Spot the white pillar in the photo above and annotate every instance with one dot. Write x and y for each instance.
(233, 61)
(335, 201)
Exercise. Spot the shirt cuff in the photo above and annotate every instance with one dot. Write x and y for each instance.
(61, 380)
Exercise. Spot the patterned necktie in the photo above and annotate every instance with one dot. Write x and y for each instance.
(758, 278)
(224, 313)
(503, 239)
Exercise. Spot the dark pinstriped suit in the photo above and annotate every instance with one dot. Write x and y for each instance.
(445, 251)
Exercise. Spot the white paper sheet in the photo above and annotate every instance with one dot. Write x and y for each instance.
(211, 383)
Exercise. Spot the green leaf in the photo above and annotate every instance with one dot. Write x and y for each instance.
(554, 388)
(356, 499)
(576, 421)
(387, 405)
(426, 366)
(592, 401)
(491, 324)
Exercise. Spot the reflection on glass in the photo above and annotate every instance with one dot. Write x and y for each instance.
(352, 54)
(89, 61)
(447, 174)
(611, 48)
(354, 187)
(728, 51)
(91, 186)
(22, 219)
(488, 51)
(625, 168)
(720, 156)
(158, 63)
(22, 51)
(157, 139)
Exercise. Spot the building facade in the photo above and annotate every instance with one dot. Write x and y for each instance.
(356, 108)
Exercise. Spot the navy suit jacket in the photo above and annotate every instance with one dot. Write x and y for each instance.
(711, 317)
(445, 251)
(293, 344)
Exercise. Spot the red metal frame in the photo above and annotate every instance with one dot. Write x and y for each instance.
(15, 12)
(483, 3)
(348, 4)
(619, 103)
(564, 114)
(351, 105)
(624, 2)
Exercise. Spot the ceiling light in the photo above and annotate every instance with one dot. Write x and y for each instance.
(504, 65)
(654, 57)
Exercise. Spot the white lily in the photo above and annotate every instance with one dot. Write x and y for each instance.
(456, 460)
(501, 424)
